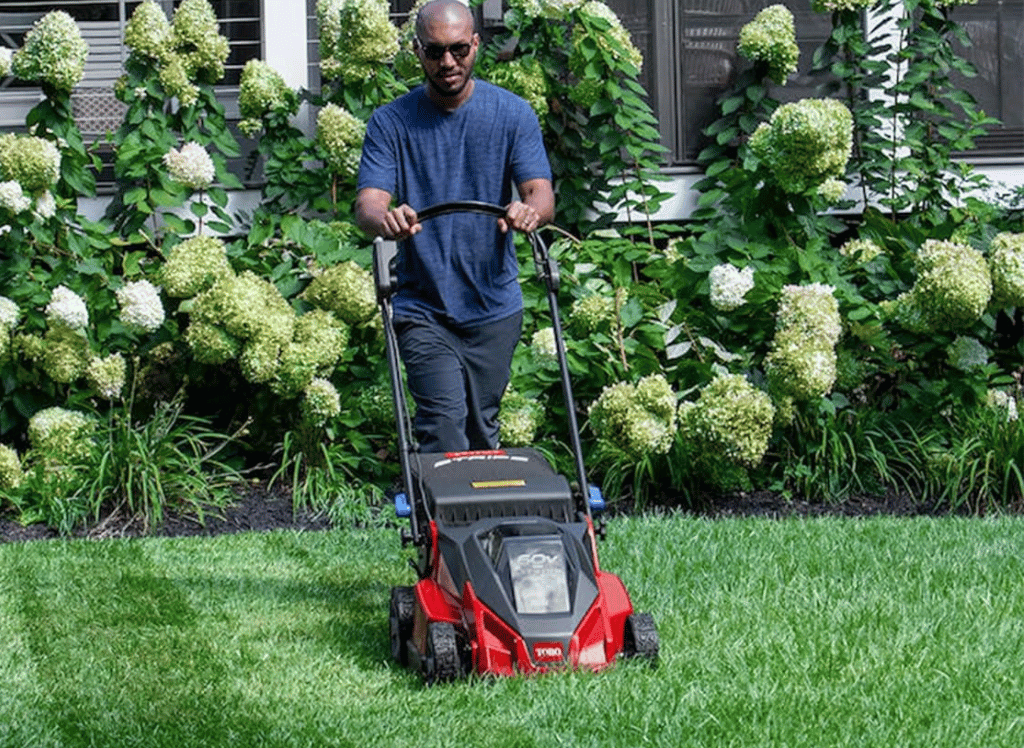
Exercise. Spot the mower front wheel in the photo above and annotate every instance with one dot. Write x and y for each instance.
(441, 664)
(641, 638)
(400, 621)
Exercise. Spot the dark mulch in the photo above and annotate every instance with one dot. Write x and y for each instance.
(259, 509)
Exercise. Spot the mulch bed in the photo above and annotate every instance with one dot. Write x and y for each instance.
(259, 509)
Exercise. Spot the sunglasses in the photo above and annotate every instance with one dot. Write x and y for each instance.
(459, 50)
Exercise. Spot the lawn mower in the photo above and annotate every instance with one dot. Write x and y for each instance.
(509, 580)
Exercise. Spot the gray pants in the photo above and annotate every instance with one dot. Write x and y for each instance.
(457, 377)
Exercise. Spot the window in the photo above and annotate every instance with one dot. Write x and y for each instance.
(996, 30)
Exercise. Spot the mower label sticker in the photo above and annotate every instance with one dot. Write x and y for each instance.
(509, 483)
(540, 579)
(548, 652)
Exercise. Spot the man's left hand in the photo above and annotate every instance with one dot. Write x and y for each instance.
(519, 216)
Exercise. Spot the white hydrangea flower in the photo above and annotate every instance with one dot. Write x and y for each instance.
(321, 401)
(1003, 402)
(67, 308)
(729, 286)
(861, 250)
(542, 345)
(6, 56)
(191, 166)
(813, 309)
(9, 313)
(967, 353)
(46, 206)
(13, 198)
(141, 307)
(107, 375)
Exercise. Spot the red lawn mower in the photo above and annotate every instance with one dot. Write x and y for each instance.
(509, 580)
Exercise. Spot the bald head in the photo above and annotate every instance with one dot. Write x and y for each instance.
(443, 13)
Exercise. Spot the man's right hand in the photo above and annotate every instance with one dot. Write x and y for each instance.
(376, 217)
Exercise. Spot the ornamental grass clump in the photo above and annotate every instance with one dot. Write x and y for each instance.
(771, 38)
(732, 419)
(801, 364)
(639, 419)
(805, 143)
(356, 37)
(952, 289)
(346, 290)
(262, 92)
(193, 266)
(1006, 263)
(53, 53)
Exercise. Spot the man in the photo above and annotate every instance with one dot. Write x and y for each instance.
(458, 309)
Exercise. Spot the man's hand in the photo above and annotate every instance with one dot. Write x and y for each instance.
(376, 217)
(519, 216)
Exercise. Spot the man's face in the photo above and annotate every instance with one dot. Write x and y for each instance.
(447, 52)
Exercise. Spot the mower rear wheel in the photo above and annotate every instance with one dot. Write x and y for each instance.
(400, 620)
(641, 638)
(441, 665)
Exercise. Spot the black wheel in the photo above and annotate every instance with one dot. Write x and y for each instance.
(641, 638)
(441, 664)
(403, 608)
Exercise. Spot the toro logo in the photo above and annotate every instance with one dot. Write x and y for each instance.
(548, 652)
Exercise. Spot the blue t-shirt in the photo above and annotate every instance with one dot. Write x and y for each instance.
(460, 268)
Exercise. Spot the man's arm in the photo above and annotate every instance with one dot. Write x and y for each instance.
(376, 217)
(536, 207)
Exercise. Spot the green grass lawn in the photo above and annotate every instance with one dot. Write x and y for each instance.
(880, 632)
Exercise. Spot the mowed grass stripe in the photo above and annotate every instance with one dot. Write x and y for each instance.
(795, 633)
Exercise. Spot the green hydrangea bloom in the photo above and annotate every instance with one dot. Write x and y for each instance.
(345, 289)
(341, 136)
(732, 418)
(634, 417)
(246, 306)
(66, 354)
(833, 6)
(356, 36)
(211, 344)
(32, 162)
(107, 375)
(193, 266)
(11, 473)
(318, 343)
(953, 286)
(31, 348)
(542, 347)
(805, 143)
(861, 250)
(148, 32)
(520, 418)
(771, 38)
(259, 359)
(1006, 262)
(592, 313)
(262, 91)
(54, 52)
(320, 403)
(799, 367)
(197, 42)
(61, 436)
(811, 310)
(966, 353)
(524, 76)
(375, 402)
